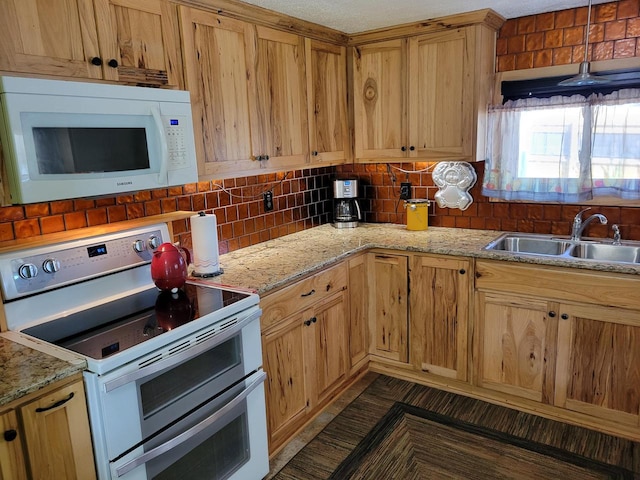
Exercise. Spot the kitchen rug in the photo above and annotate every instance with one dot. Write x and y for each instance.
(399, 430)
(412, 443)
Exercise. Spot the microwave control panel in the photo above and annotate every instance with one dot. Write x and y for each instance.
(176, 145)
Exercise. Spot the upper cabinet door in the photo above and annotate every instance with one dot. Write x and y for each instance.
(327, 96)
(139, 41)
(278, 99)
(441, 91)
(49, 37)
(379, 84)
(216, 67)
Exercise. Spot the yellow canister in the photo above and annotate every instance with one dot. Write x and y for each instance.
(417, 214)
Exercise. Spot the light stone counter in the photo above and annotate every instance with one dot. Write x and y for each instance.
(25, 370)
(275, 263)
(272, 264)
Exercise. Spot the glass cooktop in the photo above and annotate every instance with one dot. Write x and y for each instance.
(113, 327)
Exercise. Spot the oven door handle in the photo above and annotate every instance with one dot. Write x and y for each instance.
(183, 355)
(186, 435)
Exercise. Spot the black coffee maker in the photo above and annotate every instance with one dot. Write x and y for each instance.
(346, 211)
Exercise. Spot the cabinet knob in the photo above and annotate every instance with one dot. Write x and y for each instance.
(113, 63)
(412, 148)
(314, 319)
(314, 153)
(462, 271)
(552, 314)
(404, 149)
(10, 435)
(564, 316)
(97, 61)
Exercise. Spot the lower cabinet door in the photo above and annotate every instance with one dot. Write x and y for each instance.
(439, 306)
(327, 346)
(598, 364)
(57, 435)
(516, 345)
(388, 306)
(283, 351)
(12, 461)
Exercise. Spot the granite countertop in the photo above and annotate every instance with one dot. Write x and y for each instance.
(270, 265)
(25, 370)
(275, 263)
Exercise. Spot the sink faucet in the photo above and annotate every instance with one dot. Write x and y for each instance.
(579, 225)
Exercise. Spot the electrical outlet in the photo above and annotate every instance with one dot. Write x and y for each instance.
(268, 201)
(405, 191)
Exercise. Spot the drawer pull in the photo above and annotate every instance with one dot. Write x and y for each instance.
(10, 435)
(308, 294)
(57, 404)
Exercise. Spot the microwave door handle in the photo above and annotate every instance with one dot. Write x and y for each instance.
(164, 160)
(180, 357)
(184, 436)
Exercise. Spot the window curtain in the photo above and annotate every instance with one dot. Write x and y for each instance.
(564, 149)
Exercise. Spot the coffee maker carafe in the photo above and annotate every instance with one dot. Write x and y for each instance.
(346, 211)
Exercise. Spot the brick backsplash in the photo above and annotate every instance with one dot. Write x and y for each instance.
(557, 38)
(380, 203)
(301, 198)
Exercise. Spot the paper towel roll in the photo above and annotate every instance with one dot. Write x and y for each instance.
(204, 236)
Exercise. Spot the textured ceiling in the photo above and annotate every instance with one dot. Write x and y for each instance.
(352, 16)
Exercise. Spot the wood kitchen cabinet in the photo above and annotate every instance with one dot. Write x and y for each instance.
(552, 336)
(305, 349)
(439, 306)
(419, 315)
(278, 99)
(388, 306)
(216, 63)
(380, 100)
(423, 97)
(48, 435)
(358, 311)
(248, 92)
(12, 457)
(127, 41)
(327, 102)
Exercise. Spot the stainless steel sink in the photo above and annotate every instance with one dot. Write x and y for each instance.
(606, 252)
(548, 245)
(530, 244)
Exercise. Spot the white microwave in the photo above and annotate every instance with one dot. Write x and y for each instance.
(64, 140)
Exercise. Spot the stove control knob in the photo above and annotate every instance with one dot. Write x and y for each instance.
(154, 242)
(139, 246)
(51, 265)
(27, 271)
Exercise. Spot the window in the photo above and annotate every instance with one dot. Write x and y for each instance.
(565, 149)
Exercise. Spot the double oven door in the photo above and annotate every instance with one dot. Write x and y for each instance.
(194, 410)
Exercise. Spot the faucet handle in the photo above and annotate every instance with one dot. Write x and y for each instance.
(616, 234)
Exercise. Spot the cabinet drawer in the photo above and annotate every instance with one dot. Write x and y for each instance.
(563, 284)
(302, 294)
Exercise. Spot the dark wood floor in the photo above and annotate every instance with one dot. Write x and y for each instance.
(328, 449)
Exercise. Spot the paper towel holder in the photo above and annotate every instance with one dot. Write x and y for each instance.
(193, 267)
